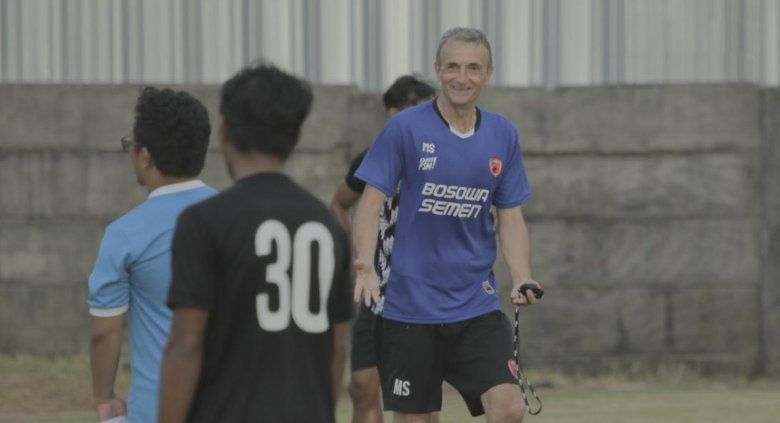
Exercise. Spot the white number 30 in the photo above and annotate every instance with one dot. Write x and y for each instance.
(295, 303)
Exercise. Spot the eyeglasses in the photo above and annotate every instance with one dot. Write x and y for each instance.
(127, 141)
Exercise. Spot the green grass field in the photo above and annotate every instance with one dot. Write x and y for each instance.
(58, 390)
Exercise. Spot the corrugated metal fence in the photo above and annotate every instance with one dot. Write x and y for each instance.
(370, 42)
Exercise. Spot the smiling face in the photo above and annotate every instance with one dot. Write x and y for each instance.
(463, 69)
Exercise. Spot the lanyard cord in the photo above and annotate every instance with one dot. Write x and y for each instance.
(521, 379)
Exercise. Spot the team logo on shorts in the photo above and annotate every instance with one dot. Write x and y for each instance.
(495, 166)
(512, 367)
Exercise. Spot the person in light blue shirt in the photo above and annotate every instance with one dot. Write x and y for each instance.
(132, 273)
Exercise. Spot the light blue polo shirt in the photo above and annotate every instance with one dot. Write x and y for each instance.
(132, 274)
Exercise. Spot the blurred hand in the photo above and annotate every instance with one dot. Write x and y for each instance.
(528, 298)
(110, 409)
(366, 283)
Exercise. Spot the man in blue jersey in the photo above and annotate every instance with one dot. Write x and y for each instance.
(167, 149)
(364, 385)
(442, 319)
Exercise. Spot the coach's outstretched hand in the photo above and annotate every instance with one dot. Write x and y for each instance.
(366, 283)
(529, 298)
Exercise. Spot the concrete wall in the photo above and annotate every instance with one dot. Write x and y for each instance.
(647, 225)
(769, 292)
(654, 225)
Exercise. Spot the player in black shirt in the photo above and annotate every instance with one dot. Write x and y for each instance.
(405, 92)
(260, 275)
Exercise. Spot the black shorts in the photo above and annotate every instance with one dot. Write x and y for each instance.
(363, 355)
(473, 356)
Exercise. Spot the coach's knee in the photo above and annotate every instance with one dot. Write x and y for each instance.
(509, 413)
(503, 403)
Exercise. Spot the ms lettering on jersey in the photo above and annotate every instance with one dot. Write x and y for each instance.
(427, 163)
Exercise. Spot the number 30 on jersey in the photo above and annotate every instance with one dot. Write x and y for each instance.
(294, 294)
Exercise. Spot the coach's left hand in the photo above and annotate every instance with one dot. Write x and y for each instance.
(528, 298)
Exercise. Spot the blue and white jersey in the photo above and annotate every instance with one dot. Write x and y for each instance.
(133, 272)
(445, 245)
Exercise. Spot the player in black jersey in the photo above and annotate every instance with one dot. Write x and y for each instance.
(260, 275)
(405, 92)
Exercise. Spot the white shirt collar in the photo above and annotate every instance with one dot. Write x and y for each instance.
(178, 187)
(463, 135)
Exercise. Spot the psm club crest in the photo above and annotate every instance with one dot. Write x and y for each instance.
(495, 166)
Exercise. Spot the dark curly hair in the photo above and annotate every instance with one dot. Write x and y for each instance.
(174, 127)
(263, 109)
(406, 91)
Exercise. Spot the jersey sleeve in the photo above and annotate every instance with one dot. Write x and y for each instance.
(340, 307)
(381, 168)
(194, 262)
(109, 282)
(352, 182)
(513, 188)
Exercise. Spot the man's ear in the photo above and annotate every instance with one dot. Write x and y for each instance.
(146, 159)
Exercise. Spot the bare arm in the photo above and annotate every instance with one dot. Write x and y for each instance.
(181, 364)
(343, 200)
(513, 236)
(105, 347)
(340, 349)
(364, 230)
